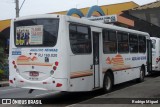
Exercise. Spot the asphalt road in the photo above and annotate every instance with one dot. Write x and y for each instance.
(135, 95)
(124, 90)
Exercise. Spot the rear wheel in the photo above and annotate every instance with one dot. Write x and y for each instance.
(142, 75)
(107, 82)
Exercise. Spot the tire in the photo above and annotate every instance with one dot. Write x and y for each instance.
(142, 75)
(107, 82)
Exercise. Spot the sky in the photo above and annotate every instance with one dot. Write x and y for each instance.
(32, 7)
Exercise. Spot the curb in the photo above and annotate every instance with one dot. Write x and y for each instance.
(4, 84)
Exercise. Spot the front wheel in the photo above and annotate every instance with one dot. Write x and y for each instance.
(107, 82)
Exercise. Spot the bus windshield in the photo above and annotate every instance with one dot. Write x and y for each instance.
(36, 32)
(153, 43)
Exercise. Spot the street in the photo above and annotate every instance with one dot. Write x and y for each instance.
(124, 90)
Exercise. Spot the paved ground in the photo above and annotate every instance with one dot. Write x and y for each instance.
(148, 89)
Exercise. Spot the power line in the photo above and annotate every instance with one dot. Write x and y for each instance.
(22, 5)
(17, 7)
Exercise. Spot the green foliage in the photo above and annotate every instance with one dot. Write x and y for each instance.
(1, 72)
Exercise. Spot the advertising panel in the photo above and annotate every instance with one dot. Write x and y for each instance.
(29, 35)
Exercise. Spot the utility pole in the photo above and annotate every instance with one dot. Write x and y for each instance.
(17, 8)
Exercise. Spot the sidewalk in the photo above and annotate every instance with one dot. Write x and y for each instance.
(4, 83)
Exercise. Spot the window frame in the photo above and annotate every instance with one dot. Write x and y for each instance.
(131, 34)
(109, 41)
(139, 44)
(122, 34)
(41, 45)
(89, 34)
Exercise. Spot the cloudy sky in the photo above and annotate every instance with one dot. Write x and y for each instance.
(30, 7)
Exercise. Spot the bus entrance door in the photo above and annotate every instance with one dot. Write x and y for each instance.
(96, 59)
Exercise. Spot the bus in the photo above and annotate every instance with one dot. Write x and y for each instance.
(64, 53)
(155, 53)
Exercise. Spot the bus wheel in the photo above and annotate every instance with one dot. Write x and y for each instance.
(142, 75)
(107, 82)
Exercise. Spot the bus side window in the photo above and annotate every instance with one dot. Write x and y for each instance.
(109, 41)
(142, 44)
(80, 39)
(133, 43)
(123, 46)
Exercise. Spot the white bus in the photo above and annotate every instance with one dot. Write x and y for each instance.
(64, 53)
(155, 53)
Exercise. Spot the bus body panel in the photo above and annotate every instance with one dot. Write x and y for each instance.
(130, 68)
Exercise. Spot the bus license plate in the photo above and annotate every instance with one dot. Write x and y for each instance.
(34, 73)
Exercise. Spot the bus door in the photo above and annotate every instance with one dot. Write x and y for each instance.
(96, 68)
(149, 55)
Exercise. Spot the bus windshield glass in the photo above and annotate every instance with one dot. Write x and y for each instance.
(36, 32)
(153, 43)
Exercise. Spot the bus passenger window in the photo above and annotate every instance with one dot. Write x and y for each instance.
(109, 42)
(133, 43)
(122, 42)
(80, 39)
(142, 44)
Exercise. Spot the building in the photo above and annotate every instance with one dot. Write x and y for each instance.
(149, 12)
(107, 9)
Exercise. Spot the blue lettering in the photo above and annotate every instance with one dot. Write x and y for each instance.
(16, 52)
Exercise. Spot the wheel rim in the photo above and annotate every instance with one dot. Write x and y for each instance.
(108, 83)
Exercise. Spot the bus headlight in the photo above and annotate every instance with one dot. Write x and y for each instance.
(52, 72)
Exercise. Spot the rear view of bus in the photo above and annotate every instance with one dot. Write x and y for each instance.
(34, 53)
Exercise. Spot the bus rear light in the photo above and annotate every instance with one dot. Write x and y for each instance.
(11, 81)
(44, 82)
(56, 63)
(13, 62)
(21, 81)
(15, 66)
(58, 85)
(54, 68)
(157, 59)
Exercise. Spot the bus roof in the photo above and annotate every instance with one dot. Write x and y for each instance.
(102, 25)
(83, 21)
